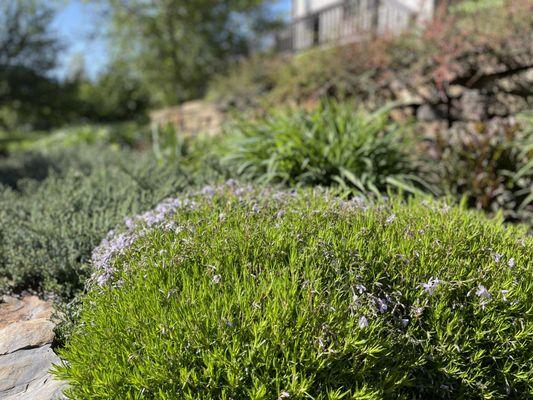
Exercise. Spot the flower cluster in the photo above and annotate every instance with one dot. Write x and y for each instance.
(116, 243)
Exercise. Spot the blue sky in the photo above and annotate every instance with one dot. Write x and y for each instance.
(77, 25)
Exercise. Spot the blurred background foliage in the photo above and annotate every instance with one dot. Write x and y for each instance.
(161, 53)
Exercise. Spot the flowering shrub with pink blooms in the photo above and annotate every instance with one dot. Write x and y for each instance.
(232, 292)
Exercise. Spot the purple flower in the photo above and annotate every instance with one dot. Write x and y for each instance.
(382, 305)
(360, 288)
(431, 285)
(217, 279)
(103, 278)
(510, 263)
(208, 190)
(363, 322)
(391, 219)
(483, 292)
(504, 294)
(497, 257)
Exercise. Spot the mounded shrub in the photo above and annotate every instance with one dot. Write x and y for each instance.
(334, 145)
(234, 294)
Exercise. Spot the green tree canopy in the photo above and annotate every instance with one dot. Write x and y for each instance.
(176, 45)
(26, 39)
(28, 53)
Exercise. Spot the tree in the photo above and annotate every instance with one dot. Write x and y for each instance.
(176, 45)
(28, 52)
(115, 95)
(26, 39)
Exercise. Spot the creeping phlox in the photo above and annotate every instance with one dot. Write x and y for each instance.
(161, 217)
(116, 242)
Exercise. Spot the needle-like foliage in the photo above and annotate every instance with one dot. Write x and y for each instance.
(237, 294)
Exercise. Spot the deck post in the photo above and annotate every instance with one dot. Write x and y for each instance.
(375, 18)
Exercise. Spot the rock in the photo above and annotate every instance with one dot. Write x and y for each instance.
(190, 118)
(29, 307)
(24, 375)
(503, 104)
(432, 129)
(26, 334)
(404, 95)
(401, 114)
(455, 91)
(471, 106)
(428, 93)
(426, 112)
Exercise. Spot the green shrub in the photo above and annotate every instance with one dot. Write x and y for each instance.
(28, 165)
(491, 166)
(238, 294)
(49, 227)
(333, 145)
(123, 134)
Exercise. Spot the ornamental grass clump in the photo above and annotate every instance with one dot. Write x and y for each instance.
(334, 145)
(234, 293)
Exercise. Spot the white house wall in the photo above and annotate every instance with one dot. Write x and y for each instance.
(353, 23)
(301, 8)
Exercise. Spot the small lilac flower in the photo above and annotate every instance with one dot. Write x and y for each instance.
(483, 292)
(431, 285)
(360, 288)
(417, 311)
(103, 278)
(497, 257)
(217, 279)
(255, 208)
(284, 395)
(208, 190)
(510, 263)
(405, 322)
(280, 214)
(363, 322)
(504, 294)
(382, 305)
(391, 219)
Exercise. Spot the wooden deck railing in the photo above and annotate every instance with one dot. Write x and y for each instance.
(345, 21)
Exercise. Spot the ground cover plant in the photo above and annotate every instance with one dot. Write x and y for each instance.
(120, 134)
(335, 144)
(56, 206)
(236, 293)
